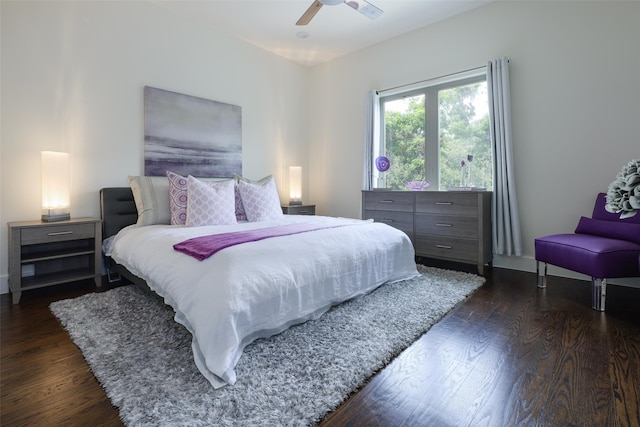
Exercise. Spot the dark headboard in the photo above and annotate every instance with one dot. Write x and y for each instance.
(118, 210)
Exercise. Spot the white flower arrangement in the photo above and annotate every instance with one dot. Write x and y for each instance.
(623, 195)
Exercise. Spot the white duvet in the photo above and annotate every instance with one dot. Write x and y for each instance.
(261, 288)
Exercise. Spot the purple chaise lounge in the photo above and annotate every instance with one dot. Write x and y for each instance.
(602, 247)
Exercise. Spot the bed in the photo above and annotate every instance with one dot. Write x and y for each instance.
(255, 289)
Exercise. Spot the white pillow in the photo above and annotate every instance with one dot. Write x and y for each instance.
(151, 194)
(260, 199)
(178, 198)
(210, 203)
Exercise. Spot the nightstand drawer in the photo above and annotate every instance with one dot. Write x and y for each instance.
(447, 225)
(388, 201)
(56, 233)
(299, 209)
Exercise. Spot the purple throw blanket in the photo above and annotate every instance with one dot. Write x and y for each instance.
(203, 247)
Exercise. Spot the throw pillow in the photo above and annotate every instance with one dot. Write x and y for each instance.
(260, 199)
(151, 195)
(613, 229)
(240, 213)
(177, 198)
(210, 203)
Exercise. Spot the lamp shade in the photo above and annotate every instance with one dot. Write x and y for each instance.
(55, 186)
(295, 185)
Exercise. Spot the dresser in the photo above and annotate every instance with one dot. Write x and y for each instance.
(50, 253)
(448, 225)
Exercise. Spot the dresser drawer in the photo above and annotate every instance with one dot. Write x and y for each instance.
(388, 201)
(400, 220)
(447, 225)
(57, 233)
(447, 203)
(452, 248)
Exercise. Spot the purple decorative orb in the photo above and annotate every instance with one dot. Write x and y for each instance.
(382, 164)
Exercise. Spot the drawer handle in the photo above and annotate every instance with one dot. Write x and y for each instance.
(388, 221)
(444, 203)
(386, 201)
(444, 225)
(60, 233)
(302, 212)
(443, 247)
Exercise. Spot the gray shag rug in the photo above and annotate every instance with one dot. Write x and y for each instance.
(143, 358)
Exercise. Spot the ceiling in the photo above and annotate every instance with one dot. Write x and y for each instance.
(333, 32)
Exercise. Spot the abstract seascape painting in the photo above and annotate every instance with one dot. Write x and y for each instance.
(190, 135)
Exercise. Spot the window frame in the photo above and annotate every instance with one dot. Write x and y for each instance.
(430, 91)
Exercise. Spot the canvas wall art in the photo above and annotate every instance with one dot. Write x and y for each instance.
(190, 135)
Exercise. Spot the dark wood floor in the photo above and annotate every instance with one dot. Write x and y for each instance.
(510, 355)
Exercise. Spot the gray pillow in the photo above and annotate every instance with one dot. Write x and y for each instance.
(151, 194)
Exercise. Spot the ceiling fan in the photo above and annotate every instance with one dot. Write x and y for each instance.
(362, 6)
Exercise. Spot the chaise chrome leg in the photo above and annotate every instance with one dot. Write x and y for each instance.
(541, 271)
(598, 293)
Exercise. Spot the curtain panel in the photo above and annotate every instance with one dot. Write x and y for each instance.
(372, 135)
(507, 237)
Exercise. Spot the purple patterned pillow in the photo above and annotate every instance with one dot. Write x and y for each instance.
(240, 214)
(260, 199)
(210, 203)
(177, 198)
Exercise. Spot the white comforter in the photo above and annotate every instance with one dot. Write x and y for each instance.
(261, 288)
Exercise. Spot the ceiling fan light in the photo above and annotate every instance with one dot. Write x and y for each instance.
(365, 8)
(370, 11)
(331, 2)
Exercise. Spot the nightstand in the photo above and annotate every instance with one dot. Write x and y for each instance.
(299, 209)
(50, 253)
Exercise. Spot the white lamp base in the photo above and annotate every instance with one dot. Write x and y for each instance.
(53, 215)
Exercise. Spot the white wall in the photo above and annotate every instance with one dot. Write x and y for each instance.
(72, 75)
(575, 69)
(72, 79)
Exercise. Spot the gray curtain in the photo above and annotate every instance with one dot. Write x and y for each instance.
(371, 138)
(507, 238)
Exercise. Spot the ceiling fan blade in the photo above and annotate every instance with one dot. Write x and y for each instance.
(365, 8)
(310, 13)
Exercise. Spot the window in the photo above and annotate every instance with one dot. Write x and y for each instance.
(438, 133)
